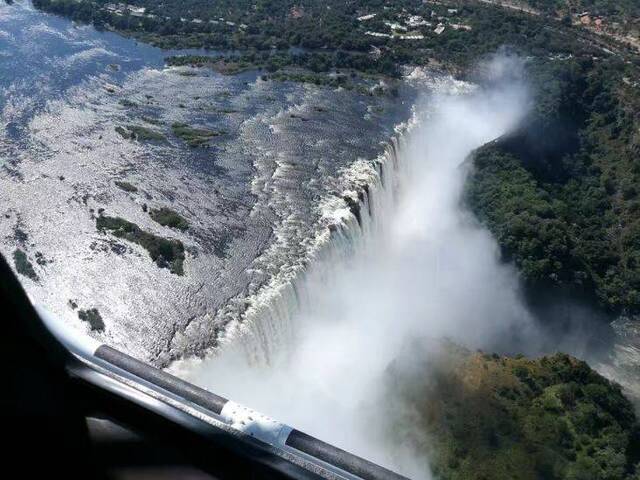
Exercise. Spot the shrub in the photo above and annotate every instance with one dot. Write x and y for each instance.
(136, 132)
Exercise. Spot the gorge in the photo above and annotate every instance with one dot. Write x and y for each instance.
(411, 267)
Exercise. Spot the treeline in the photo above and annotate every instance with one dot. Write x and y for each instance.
(330, 30)
(318, 62)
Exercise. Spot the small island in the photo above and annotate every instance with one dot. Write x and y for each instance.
(194, 137)
(169, 218)
(93, 318)
(139, 133)
(166, 253)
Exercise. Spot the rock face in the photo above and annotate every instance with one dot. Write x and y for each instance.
(495, 417)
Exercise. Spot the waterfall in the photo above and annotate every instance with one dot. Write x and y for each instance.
(396, 260)
(349, 220)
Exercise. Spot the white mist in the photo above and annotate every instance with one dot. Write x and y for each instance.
(425, 270)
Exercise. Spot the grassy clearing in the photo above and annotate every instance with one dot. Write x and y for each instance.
(166, 253)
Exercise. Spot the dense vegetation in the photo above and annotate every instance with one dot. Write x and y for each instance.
(166, 253)
(169, 218)
(493, 417)
(561, 193)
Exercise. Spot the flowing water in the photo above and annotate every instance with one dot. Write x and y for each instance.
(250, 198)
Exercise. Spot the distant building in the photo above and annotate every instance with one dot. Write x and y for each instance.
(296, 12)
(378, 34)
(364, 18)
(416, 21)
(395, 26)
(136, 11)
(439, 29)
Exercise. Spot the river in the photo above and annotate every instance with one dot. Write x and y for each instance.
(258, 199)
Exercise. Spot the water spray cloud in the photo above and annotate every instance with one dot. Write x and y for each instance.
(426, 269)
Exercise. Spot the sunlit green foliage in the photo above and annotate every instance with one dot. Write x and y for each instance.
(493, 417)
